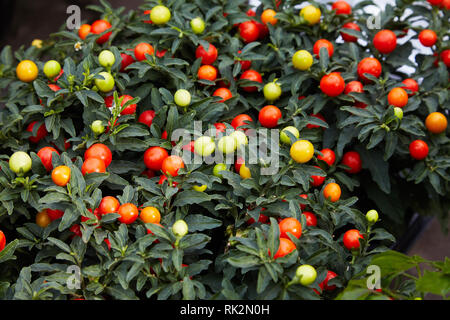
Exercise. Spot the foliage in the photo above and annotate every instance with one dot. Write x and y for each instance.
(223, 256)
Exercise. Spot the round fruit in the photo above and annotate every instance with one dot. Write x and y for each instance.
(91, 165)
(302, 60)
(240, 120)
(182, 98)
(245, 64)
(100, 26)
(106, 59)
(292, 226)
(54, 214)
(61, 176)
(436, 122)
(227, 144)
(147, 117)
(398, 113)
(445, 55)
(311, 219)
(311, 14)
(352, 160)
(351, 239)
(411, 85)
(272, 91)
(372, 216)
(160, 15)
(435, 2)
(20, 162)
(355, 86)
(99, 151)
(385, 41)
(204, 146)
(302, 151)
(285, 138)
(42, 219)
(84, 30)
(332, 192)
(398, 97)
(304, 196)
(107, 83)
(328, 156)
(324, 284)
(154, 157)
(341, 7)
(46, 157)
(269, 116)
(240, 138)
(286, 246)
(268, 16)
(126, 61)
(427, 37)
(418, 149)
(208, 57)
(128, 213)
(97, 127)
(244, 171)
(218, 168)
(251, 75)
(306, 274)
(207, 72)
(224, 93)
(200, 188)
(130, 109)
(172, 164)
(27, 71)
(323, 43)
(142, 49)
(249, 31)
(332, 84)
(317, 180)
(2, 240)
(180, 228)
(220, 128)
(41, 132)
(52, 68)
(352, 26)
(197, 25)
(150, 215)
(371, 66)
(108, 204)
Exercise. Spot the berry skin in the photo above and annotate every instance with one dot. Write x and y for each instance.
(332, 84)
(353, 160)
(351, 239)
(347, 37)
(371, 66)
(385, 41)
(427, 37)
(418, 149)
(436, 122)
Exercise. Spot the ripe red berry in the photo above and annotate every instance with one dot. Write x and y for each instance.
(385, 41)
(352, 159)
(332, 84)
(418, 149)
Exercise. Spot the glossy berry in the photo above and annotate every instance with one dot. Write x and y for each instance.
(311, 219)
(46, 157)
(286, 246)
(427, 37)
(208, 57)
(351, 239)
(290, 225)
(251, 75)
(398, 97)
(412, 85)
(249, 31)
(269, 116)
(323, 43)
(418, 149)
(352, 160)
(341, 7)
(332, 84)
(348, 37)
(371, 66)
(41, 132)
(385, 41)
(147, 117)
(328, 156)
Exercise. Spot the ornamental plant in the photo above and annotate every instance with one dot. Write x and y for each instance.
(352, 123)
